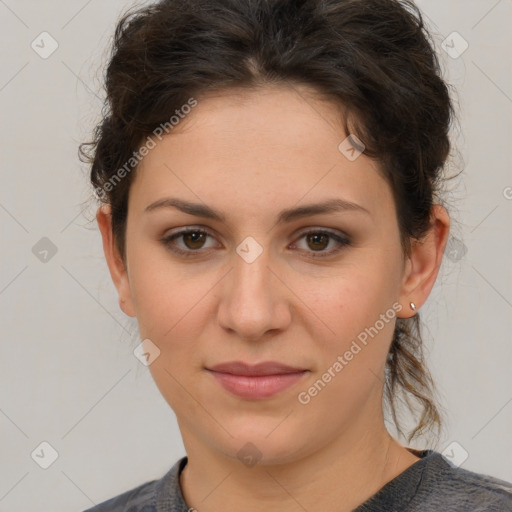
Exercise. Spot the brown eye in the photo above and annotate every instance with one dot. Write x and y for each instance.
(193, 242)
(188, 242)
(317, 241)
(194, 239)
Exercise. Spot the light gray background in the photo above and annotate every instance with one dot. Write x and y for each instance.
(68, 375)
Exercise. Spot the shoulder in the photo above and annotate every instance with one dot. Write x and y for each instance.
(483, 491)
(138, 499)
(147, 497)
(447, 487)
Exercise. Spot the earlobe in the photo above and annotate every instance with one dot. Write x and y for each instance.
(114, 260)
(424, 262)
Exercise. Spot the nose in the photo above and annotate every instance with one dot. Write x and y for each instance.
(254, 300)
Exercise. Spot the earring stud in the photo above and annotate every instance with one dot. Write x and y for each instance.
(412, 305)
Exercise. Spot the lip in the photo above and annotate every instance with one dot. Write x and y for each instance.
(256, 382)
(265, 368)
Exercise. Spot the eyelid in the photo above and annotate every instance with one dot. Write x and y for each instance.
(319, 229)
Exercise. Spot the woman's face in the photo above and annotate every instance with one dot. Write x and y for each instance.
(257, 287)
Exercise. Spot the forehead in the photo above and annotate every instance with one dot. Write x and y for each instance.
(265, 145)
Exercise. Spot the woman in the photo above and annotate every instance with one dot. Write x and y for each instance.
(269, 173)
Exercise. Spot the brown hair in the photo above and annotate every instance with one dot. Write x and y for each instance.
(375, 58)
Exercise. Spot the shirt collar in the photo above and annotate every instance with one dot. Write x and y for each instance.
(400, 491)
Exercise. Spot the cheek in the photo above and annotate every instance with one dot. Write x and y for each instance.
(171, 312)
(350, 363)
(359, 308)
(168, 299)
(178, 386)
(354, 298)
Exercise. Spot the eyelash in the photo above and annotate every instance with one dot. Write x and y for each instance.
(341, 240)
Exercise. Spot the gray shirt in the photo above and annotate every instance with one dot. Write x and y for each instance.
(432, 484)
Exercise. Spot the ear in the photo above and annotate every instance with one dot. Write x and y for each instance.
(115, 263)
(422, 265)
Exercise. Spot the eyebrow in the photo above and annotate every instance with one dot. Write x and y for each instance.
(287, 215)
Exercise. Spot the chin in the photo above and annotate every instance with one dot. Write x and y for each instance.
(264, 446)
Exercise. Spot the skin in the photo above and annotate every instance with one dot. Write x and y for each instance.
(250, 154)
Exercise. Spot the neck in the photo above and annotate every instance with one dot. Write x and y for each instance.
(338, 477)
